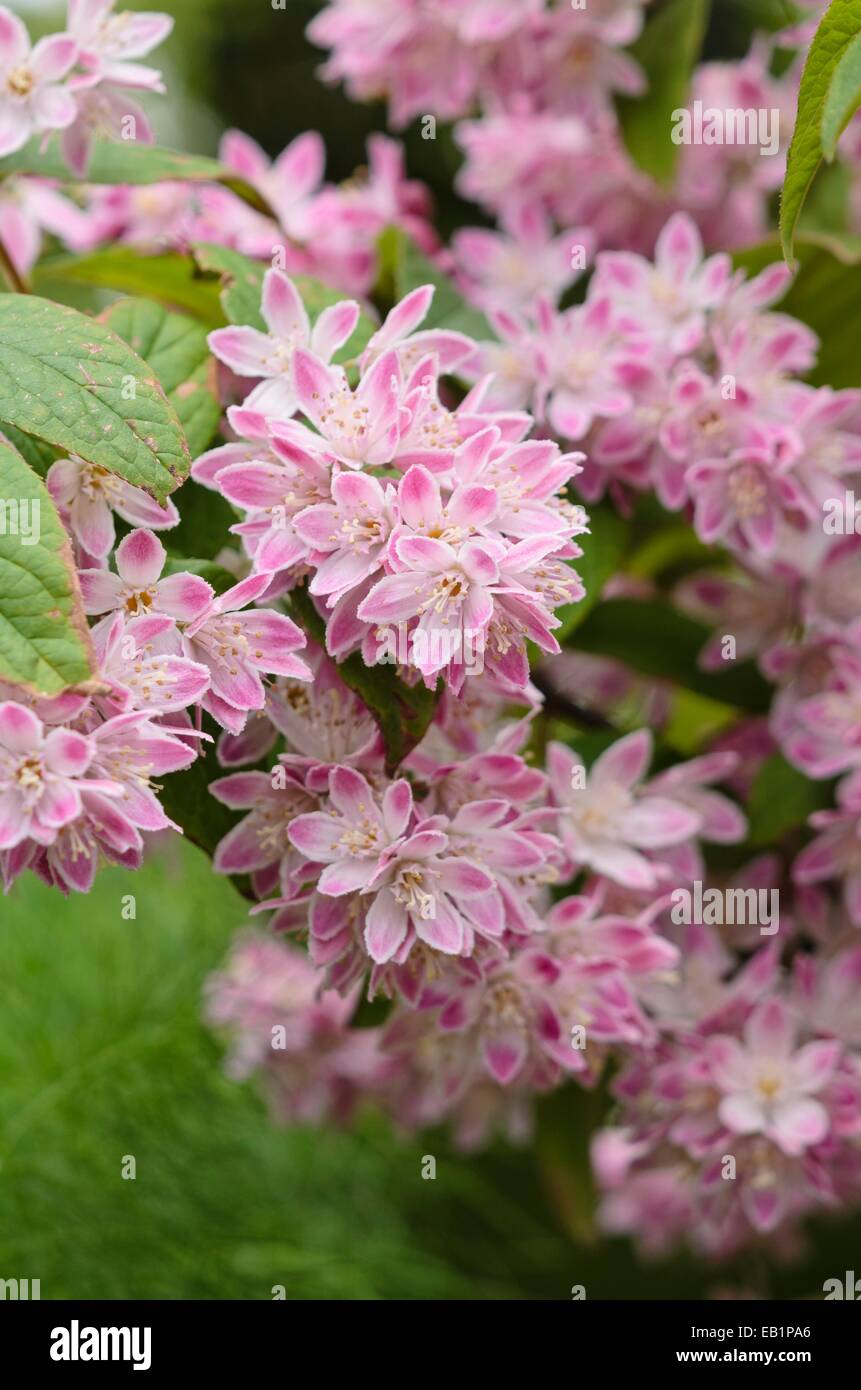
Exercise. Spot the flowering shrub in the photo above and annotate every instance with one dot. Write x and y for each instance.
(488, 612)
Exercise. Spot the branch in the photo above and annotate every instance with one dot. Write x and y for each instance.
(558, 704)
(10, 272)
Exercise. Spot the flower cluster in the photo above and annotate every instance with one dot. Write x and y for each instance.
(78, 81)
(432, 536)
(546, 154)
(408, 518)
(745, 1117)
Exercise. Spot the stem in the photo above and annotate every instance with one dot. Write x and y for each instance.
(558, 704)
(10, 272)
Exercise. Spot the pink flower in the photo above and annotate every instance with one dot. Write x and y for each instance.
(261, 838)
(582, 932)
(104, 111)
(351, 834)
(448, 589)
(42, 776)
(422, 893)
(314, 1068)
(675, 292)
(282, 481)
(582, 360)
(235, 647)
(605, 823)
(32, 98)
(107, 41)
(248, 352)
(768, 1086)
(515, 1020)
(141, 661)
(90, 495)
(836, 852)
(410, 877)
(361, 427)
(349, 535)
(510, 269)
(746, 496)
(131, 750)
(288, 183)
(137, 588)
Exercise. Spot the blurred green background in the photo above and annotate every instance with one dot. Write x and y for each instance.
(102, 1050)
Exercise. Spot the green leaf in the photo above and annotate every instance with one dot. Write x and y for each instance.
(403, 712)
(826, 295)
(38, 455)
(205, 519)
(844, 97)
(171, 278)
(242, 285)
(566, 1120)
(812, 137)
(657, 641)
(121, 161)
(63, 379)
(405, 267)
(240, 282)
(176, 349)
(44, 639)
(667, 51)
(603, 549)
(781, 799)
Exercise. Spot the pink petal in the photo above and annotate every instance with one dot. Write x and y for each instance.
(318, 836)
(246, 351)
(769, 1030)
(283, 309)
(184, 596)
(334, 327)
(140, 559)
(52, 57)
(419, 498)
(101, 590)
(443, 931)
(385, 927)
(67, 753)
(679, 249)
(20, 729)
(505, 1054)
(798, 1124)
(625, 762)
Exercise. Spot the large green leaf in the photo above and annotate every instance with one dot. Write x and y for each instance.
(70, 381)
(403, 712)
(176, 349)
(826, 295)
(821, 114)
(44, 639)
(658, 641)
(844, 97)
(169, 277)
(124, 161)
(39, 455)
(667, 51)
